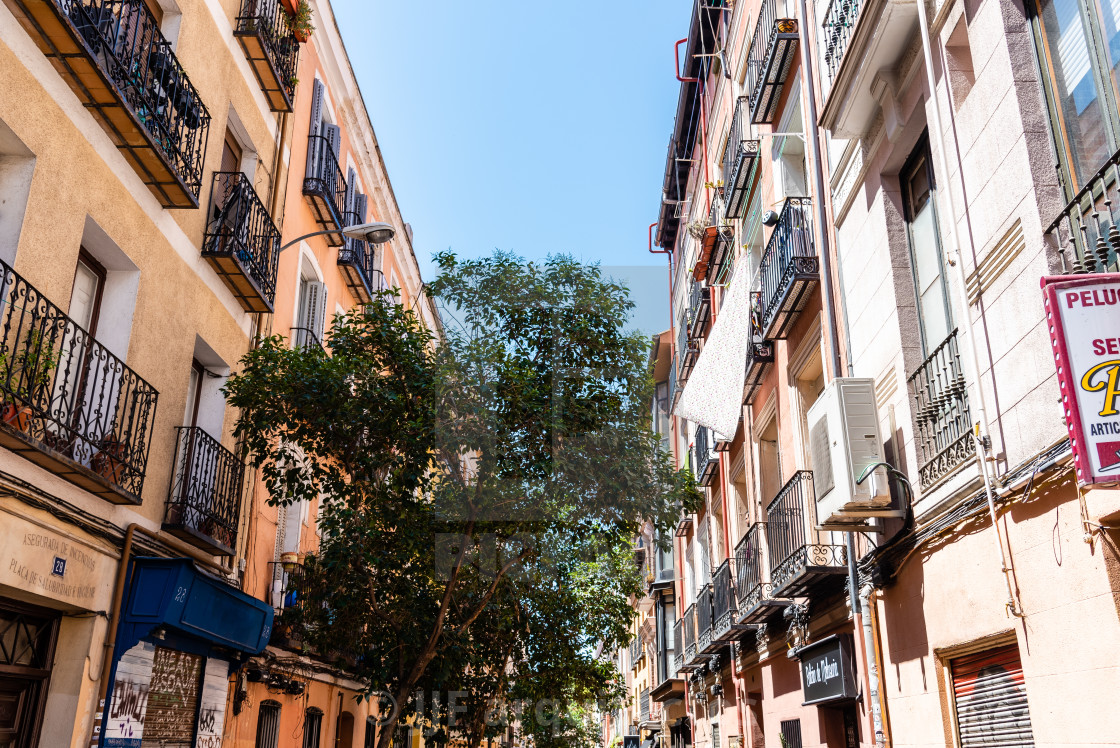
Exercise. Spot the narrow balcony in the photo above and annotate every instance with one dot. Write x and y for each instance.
(325, 184)
(756, 604)
(699, 309)
(740, 162)
(705, 459)
(760, 352)
(725, 604)
(264, 30)
(799, 565)
(857, 40)
(1086, 231)
(704, 642)
(117, 62)
(941, 414)
(688, 632)
(67, 403)
(719, 241)
(688, 350)
(204, 506)
(358, 261)
(768, 61)
(289, 590)
(242, 243)
(789, 270)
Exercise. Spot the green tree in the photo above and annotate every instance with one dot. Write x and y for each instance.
(481, 491)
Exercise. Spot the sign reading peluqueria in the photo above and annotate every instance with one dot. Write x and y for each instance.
(1083, 315)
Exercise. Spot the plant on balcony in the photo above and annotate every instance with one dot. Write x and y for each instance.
(301, 21)
(484, 492)
(31, 371)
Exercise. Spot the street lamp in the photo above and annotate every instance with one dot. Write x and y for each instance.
(376, 232)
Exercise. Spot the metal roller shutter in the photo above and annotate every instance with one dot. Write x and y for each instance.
(990, 698)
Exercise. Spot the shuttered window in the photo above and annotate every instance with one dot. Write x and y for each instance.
(173, 696)
(990, 698)
(268, 725)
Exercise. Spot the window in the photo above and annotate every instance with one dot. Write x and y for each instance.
(791, 733)
(1078, 42)
(268, 725)
(918, 190)
(85, 299)
(371, 733)
(312, 727)
(194, 393)
(769, 461)
(312, 313)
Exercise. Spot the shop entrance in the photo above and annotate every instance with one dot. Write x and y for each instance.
(27, 639)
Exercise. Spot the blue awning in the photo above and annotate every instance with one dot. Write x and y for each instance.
(173, 594)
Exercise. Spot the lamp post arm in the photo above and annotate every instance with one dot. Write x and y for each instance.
(299, 239)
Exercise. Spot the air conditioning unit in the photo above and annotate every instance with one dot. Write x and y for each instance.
(844, 440)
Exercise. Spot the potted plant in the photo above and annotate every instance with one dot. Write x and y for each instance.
(111, 460)
(30, 373)
(301, 21)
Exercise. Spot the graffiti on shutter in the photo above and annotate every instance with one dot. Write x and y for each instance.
(212, 710)
(990, 697)
(173, 699)
(124, 725)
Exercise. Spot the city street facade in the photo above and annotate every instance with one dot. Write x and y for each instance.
(829, 222)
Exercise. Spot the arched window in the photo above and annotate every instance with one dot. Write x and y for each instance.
(312, 727)
(268, 725)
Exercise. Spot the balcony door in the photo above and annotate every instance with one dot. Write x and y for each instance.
(80, 393)
(197, 468)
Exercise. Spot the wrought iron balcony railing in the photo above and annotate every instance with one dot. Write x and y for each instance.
(242, 243)
(769, 59)
(325, 184)
(839, 20)
(204, 505)
(760, 352)
(1088, 224)
(289, 591)
(699, 309)
(941, 413)
(724, 602)
(688, 350)
(688, 630)
(704, 619)
(789, 270)
(797, 561)
(678, 649)
(264, 29)
(66, 402)
(359, 262)
(740, 161)
(705, 459)
(113, 56)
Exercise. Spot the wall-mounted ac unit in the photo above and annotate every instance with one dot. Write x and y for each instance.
(844, 440)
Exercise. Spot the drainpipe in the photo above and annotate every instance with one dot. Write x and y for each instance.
(115, 610)
(981, 435)
(871, 660)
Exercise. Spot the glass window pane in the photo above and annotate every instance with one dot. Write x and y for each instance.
(1079, 101)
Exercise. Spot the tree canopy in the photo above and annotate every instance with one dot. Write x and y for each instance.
(480, 490)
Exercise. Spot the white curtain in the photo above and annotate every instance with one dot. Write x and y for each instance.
(713, 395)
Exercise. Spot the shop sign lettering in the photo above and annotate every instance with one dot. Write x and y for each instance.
(1083, 315)
(827, 672)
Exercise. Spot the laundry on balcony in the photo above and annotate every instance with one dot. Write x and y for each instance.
(713, 395)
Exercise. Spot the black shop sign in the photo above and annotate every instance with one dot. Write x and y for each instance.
(827, 671)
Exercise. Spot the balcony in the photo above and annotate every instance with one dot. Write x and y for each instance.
(636, 652)
(705, 459)
(718, 245)
(800, 566)
(740, 162)
(678, 647)
(688, 350)
(941, 414)
(688, 634)
(768, 61)
(704, 643)
(326, 186)
(67, 403)
(789, 271)
(264, 31)
(117, 62)
(858, 39)
(242, 243)
(358, 261)
(724, 604)
(289, 590)
(756, 604)
(204, 506)
(699, 309)
(760, 352)
(1088, 226)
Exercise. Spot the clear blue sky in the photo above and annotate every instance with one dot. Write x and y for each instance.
(535, 127)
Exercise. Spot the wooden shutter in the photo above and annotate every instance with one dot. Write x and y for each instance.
(333, 136)
(313, 310)
(317, 107)
(361, 207)
(990, 698)
(351, 193)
